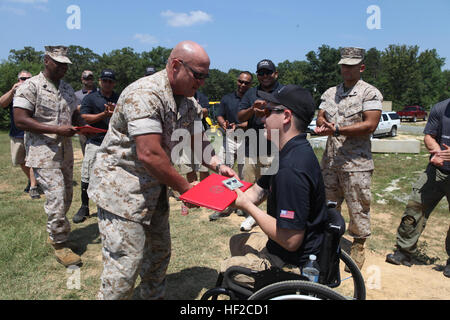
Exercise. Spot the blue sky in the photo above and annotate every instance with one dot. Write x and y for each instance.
(236, 34)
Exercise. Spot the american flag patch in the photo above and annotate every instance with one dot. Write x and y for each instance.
(287, 214)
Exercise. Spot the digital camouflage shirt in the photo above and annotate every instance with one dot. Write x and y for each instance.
(119, 182)
(344, 109)
(49, 105)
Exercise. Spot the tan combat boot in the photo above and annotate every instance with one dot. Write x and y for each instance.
(357, 253)
(64, 254)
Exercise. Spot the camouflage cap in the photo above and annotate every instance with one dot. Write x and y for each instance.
(86, 74)
(58, 53)
(352, 56)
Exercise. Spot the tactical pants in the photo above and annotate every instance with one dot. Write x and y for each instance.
(426, 193)
(130, 249)
(57, 185)
(354, 188)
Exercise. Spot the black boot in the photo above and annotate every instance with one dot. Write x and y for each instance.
(399, 258)
(447, 269)
(83, 212)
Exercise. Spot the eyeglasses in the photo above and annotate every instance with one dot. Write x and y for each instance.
(197, 75)
(268, 110)
(24, 78)
(107, 80)
(244, 82)
(263, 73)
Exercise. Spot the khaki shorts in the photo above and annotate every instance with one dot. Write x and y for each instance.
(18, 153)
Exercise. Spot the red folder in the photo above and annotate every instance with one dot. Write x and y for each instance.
(89, 130)
(212, 194)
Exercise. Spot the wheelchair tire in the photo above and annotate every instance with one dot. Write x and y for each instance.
(359, 287)
(296, 290)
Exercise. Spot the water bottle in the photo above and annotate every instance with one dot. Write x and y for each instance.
(311, 269)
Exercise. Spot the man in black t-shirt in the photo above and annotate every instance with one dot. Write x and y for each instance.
(96, 109)
(429, 190)
(294, 223)
(250, 109)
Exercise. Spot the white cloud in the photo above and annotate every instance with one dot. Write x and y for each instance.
(145, 38)
(16, 11)
(181, 19)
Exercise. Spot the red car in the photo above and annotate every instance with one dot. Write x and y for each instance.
(413, 113)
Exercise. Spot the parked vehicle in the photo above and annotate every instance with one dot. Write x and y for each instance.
(388, 125)
(413, 113)
(311, 127)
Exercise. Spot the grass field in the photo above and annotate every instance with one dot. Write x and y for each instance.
(28, 269)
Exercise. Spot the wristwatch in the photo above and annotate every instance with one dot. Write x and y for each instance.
(336, 133)
(218, 167)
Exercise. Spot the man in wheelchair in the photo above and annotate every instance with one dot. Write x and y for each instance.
(296, 214)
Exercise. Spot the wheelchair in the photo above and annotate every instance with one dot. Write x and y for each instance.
(277, 284)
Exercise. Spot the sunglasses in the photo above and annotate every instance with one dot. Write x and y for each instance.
(197, 75)
(263, 73)
(268, 110)
(24, 78)
(244, 82)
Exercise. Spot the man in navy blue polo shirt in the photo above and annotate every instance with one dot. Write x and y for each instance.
(96, 109)
(294, 223)
(227, 117)
(250, 109)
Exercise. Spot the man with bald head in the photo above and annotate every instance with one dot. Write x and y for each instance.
(133, 171)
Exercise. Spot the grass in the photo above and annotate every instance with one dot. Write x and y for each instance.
(28, 269)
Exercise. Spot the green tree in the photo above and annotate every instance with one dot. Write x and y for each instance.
(433, 81)
(295, 72)
(401, 79)
(218, 84)
(323, 71)
(372, 61)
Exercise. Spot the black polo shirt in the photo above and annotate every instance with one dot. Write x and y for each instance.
(94, 103)
(229, 107)
(297, 199)
(438, 126)
(255, 122)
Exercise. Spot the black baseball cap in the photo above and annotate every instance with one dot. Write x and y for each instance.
(295, 98)
(266, 64)
(108, 74)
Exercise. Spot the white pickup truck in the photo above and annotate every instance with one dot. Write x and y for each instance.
(388, 125)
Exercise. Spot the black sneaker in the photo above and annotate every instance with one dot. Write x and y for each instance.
(34, 193)
(81, 215)
(399, 258)
(447, 269)
(27, 188)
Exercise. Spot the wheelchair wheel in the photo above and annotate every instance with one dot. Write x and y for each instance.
(296, 290)
(355, 289)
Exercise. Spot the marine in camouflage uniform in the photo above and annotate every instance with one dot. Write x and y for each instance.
(50, 152)
(347, 163)
(132, 199)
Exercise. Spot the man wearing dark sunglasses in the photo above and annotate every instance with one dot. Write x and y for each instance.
(17, 137)
(133, 170)
(293, 226)
(96, 109)
(229, 123)
(250, 109)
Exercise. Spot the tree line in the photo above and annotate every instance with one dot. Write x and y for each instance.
(402, 73)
